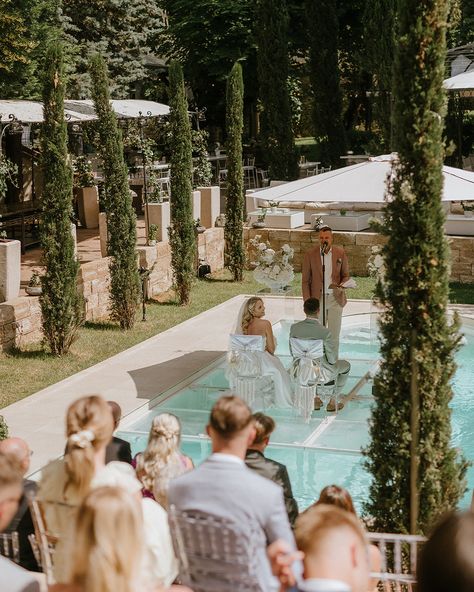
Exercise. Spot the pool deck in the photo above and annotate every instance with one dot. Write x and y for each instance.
(139, 374)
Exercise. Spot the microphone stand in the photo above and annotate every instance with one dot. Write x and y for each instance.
(323, 256)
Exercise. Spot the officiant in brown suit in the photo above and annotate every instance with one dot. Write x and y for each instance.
(336, 273)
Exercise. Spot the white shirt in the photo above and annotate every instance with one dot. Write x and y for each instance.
(327, 270)
(230, 458)
(323, 585)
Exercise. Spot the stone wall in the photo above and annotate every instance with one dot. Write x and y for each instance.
(358, 246)
(20, 318)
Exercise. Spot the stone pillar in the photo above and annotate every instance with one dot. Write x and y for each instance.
(103, 234)
(210, 205)
(196, 202)
(88, 206)
(74, 238)
(10, 268)
(160, 215)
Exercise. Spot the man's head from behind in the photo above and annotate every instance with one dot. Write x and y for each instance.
(264, 426)
(116, 412)
(10, 489)
(311, 307)
(231, 427)
(334, 545)
(18, 450)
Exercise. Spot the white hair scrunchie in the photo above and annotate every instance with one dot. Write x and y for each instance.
(83, 438)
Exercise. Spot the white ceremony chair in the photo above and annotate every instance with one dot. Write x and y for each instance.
(215, 554)
(399, 558)
(10, 546)
(306, 372)
(245, 368)
(42, 542)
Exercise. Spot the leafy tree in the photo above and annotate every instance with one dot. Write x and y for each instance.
(60, 302)
(202, 167)
(324, 75)
(121, 219)
(235, 176)
(272, 62)
(418, 342)
(181, 231)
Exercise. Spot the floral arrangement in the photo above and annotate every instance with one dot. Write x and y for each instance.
(83, 176)
(272, 268)
(468, 206)
(376, 263)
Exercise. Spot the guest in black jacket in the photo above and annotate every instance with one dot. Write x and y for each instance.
(266, 467)
(118, 449)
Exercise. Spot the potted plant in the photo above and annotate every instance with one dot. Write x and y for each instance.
(468, 208)
(34, 285)
(273, 206)
(342, 212)
(199, 227)
(260, 222)
(86, 193)
(8, 172)
(152, 234)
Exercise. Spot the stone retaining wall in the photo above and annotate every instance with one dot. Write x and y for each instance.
(20, 318)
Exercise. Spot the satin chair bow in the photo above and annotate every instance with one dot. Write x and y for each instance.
(307, 354)
(245, 354)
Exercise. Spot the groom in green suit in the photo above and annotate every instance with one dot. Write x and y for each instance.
(335, 370)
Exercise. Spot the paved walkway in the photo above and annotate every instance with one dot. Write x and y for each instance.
(137, 375)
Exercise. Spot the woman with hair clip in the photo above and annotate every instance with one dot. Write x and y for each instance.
(251, 322)
(162, 460)
(109, 552)
(65, 482)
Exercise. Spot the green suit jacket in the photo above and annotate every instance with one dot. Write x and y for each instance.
(313, 329)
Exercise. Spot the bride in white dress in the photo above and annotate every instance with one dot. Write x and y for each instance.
(251, 322)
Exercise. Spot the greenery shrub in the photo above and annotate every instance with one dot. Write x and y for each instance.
(3, 428)
(235, 254)
(121, 219)
(60, 301)
(181, 231)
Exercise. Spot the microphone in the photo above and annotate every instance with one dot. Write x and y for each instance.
(324, 248)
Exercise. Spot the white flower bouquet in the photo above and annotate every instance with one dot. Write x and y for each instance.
(272, 268)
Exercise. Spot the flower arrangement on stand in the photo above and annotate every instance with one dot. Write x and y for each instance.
(376, 264)
(272, 268)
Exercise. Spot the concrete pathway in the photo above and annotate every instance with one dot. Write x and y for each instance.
(137, 375)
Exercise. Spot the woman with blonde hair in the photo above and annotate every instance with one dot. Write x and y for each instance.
(251, 322)
(65, 482)
(162, 460)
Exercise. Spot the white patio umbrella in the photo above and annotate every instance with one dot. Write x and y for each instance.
(362, 182)
(463, 81)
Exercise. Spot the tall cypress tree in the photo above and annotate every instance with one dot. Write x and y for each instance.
(60, 302)
(418, 342)
(324, 76)
(235, 181)
(181, 231)
(272, 66)
(121, 219)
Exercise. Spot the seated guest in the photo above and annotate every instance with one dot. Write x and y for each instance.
(65, 482)
(22, 523)
(271, 469)
(162, 460)
(12, 577)
(334, 495)
(117, 449)
(224, 487)
(108, 551)
(333, 371)
(335, 552)
(446, 560)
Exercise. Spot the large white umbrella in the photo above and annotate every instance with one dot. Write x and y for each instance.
(463, 81)
(363, 182)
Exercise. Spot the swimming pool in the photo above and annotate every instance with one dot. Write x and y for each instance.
(328, 448)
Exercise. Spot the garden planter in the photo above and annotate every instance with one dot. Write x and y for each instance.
(10, 265)
(34, 290)
(88, 206)
(160, 215)
(469, 213)
(196, 199)
(103, 234)
(210, 205)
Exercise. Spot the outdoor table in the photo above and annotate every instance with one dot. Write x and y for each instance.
(20, 215)
(459, 225)
(305, 166)
(355, 158)
(350, 221)
(282, 218)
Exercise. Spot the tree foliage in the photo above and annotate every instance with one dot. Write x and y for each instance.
(235, 255)
(121, 219)
(60, 302)
(324, 74)
(272, 63)
(418, 342)
(181, 231)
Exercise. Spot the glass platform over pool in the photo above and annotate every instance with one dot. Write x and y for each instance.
(327, 449)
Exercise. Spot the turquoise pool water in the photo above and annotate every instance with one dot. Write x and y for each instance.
(327, 449)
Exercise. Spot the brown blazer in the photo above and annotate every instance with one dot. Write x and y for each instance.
(312, 273)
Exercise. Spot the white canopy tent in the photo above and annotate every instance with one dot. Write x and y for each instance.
(363, 182)
(463, 81)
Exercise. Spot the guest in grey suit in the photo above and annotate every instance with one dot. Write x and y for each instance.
(224, 487)
(335, 552)
(311, 328)
(12, 577)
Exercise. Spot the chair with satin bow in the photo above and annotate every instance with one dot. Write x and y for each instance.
(245, 372)
(306, 372)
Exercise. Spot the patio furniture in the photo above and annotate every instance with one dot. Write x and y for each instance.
(20, 220)
(353, 221)
(459, 225)
(250, 173)
(307, 354)
(282, 218)
(306, 166)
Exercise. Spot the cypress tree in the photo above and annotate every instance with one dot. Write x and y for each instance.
(60, 302)
(235, 181)
(121, 219)
(272, 67)
(324, 76)
(418, 342)
(181, 231)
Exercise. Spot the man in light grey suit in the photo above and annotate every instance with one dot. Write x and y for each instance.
(335, 370)
(12, 577)
(222, 486)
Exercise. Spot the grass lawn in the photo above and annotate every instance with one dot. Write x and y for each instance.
(25, 372)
